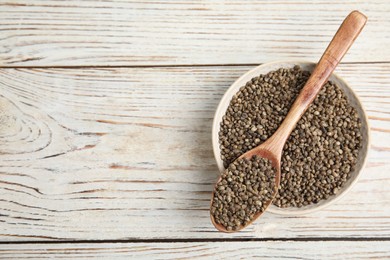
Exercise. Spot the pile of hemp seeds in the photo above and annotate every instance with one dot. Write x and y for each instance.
(244, 190)
(321, 151)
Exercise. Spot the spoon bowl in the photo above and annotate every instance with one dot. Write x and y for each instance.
(264, 152)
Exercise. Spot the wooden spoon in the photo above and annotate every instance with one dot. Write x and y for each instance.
(272, 148)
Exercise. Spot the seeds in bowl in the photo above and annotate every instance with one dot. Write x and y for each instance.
(244, 190)
(321, 151)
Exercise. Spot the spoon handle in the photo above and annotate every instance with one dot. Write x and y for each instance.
(342, 40)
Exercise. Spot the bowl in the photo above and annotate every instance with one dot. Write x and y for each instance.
(352, 99)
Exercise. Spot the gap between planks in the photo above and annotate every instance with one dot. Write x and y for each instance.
(201, 240)
(167, 65)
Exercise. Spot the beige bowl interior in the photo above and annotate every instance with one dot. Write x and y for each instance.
(352, 98)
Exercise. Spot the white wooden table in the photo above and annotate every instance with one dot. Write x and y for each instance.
(105, 118)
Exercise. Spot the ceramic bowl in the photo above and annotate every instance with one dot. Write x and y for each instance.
(353, 100)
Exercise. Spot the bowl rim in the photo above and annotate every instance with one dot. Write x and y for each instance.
(274, 209)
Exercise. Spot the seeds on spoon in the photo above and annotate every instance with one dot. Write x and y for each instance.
(243, 191)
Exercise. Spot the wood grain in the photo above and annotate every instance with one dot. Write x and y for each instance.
(125, 153)
(127, 33)
(202, 250)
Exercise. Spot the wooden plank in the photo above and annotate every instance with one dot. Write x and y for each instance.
(202, 250)
(91, 33)
(125, 153)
